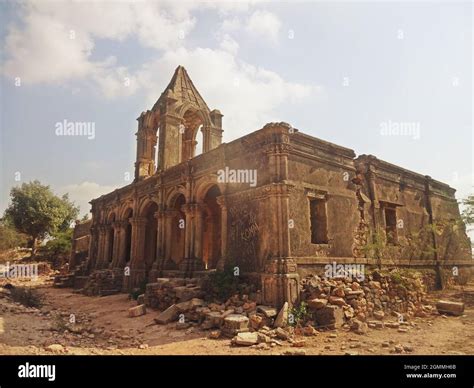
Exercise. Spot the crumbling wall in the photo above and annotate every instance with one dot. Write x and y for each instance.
(80, 243)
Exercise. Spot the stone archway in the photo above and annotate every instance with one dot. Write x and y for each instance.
(211, 232)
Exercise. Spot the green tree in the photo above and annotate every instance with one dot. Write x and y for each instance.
(37, 212)
(10, 237)
(468, 212)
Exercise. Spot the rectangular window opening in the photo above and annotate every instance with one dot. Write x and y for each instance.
(391, 224)
(318, 218)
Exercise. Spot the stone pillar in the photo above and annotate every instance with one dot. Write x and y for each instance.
(221, 201)
(158, 262)
(137, 260)
(93, 248)
(118, 237)
(107, 253)
(198, 230)
(280, 280)
(122, 245)
(280, 283)
(101, 246)
(169, 216)
(190, 263)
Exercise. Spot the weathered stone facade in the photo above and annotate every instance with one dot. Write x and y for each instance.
(311, 203)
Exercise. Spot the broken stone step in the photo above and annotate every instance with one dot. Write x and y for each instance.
(451, 308)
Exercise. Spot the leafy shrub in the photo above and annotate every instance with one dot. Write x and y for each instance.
(300, 314)
(26, 296)
(10, 238)
(221, 285)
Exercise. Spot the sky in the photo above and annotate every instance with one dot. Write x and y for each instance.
(352, 73)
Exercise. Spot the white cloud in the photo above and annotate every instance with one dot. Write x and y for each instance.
(264, 24)
(42, 51)
(55, 40)
(229, 44)
(83, 192)
(247, 95)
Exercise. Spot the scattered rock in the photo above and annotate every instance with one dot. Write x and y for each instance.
(331, 317)
(235, 323)
(245, 339)
(359, 327)
(137, 311)
(451, 308)
(316, 304)
(167, 316)
(282, 317)
(269, 312)
(215, 334)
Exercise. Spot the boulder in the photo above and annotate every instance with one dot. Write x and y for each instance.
(137, 311)
(331, 317)
(337, 301)
(269, 312)
(450, 308)
(379, 315)
(359, 327)
(235, 323)
(316, 304)
(169, 315)
(282, 317)
(245, 339)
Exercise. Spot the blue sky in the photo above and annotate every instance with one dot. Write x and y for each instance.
(337, 71)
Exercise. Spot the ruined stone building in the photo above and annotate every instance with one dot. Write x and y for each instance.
(277, 203)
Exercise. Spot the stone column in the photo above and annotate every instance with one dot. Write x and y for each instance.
(190, 263)
(137, 261)
(122, 245)
(101, 246)
(221, 201)
(118, 236)
(93, 248)
(199, 210)
(280, 280)
(157, 265)
(168, 218)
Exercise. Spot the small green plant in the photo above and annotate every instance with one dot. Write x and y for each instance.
(137, 291)
(221, 285)
(26, 296)
(299, 314)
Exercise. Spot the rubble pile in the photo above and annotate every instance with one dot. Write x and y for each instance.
(168, 291)
(103, 282)
(338, 301)
(239, 318)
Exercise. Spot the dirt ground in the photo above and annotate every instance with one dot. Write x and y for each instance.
(103, 327)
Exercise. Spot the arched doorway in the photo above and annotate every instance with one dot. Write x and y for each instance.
(150, 234)
(211, 236)
(192, 122)
(128, 235)
(178, 227)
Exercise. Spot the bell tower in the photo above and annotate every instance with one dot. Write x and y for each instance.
(182, 113)
(173, 123)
